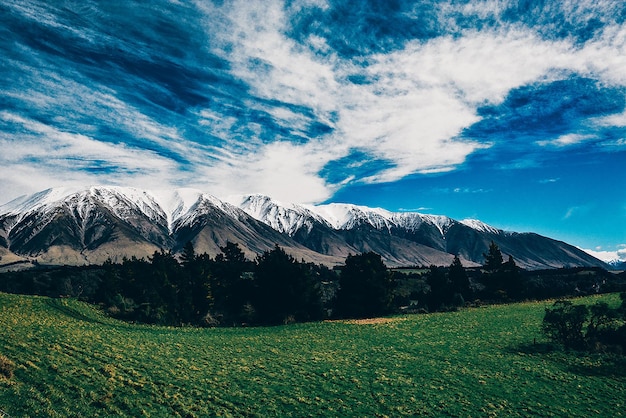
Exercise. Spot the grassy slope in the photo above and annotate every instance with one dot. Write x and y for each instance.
(72, 361)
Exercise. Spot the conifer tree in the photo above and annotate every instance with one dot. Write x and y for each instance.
(231, 290)
(365, 287)
(285, 290)
(458, 278)
(493, 257)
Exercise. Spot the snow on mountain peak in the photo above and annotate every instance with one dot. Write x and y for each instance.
(29, 203)
(176, 203)
(121, 201)
(289, 218)
(345, 216)
(163, 206)
(480, 226)
(184, 204)
(285, 218)
(614, 258)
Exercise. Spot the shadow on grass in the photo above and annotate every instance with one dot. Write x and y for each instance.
(599, 365)
(534, 348)
(582, 363)
(58, 305)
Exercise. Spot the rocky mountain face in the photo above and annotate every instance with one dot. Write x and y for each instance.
(407, 238)
(63, 226)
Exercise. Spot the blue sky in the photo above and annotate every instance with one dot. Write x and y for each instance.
(510, 112)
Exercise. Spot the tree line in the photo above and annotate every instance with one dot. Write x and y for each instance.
(275, 288)
(440, 288)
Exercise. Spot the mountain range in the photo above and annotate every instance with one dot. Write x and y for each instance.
(91, 225)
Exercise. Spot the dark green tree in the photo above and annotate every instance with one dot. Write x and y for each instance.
(111, 284)
(232, 253)
(459, 281)
(441, 294)
(493, 257)
(511, 280)
(365, 287)
(285, 291)
(581, 327)
(195, 295)
(165, 282)
(231, 285)
(202, 289)
(188, 254)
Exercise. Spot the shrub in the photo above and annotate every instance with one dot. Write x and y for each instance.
(597, 327)
(563, 323)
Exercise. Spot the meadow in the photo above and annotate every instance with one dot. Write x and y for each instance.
(71, 360)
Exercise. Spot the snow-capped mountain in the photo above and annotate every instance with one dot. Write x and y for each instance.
(617, 264)
(290, 218)
(407, 237)
(90, 225)
(285, 218)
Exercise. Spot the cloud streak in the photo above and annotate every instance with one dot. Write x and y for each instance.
(411, 104)
(304, 99)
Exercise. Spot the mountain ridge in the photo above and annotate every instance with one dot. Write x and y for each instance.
(70, 225)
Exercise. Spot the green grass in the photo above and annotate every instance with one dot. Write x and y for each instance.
(70, 360)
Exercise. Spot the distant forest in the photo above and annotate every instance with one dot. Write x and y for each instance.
(231, 290)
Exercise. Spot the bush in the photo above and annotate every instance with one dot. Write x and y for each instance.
(563, 323)
(6, 367)
(597, 327)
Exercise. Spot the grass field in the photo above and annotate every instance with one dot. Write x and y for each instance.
(73, 361)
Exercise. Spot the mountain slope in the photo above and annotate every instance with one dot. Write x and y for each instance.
(66, 226)
(88, 226)
(406, 238)
(77, 226)
(210, 223)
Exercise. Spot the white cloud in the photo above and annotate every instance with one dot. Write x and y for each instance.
(577, 211)
(550, 180)
(44, 14)
(482, 66)
(609, 256)
(220, 126)
(566, 140)
(275, 66)
(282, 170)
(420, 98)
(618, 120)
(411, 112)
(76, 103)
(43, 156)
(289, 119)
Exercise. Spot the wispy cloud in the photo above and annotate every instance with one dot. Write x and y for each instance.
(618, 120)
(576, 211)
(412, 103)
(72, 159)
(282, 170)
(550, 180)
(244, 97)
(419, 209)
(566, 140)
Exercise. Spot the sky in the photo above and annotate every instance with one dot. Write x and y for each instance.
(510, 112)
